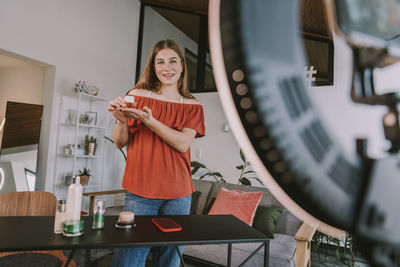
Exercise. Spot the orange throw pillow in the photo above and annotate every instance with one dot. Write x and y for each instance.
(240, 204)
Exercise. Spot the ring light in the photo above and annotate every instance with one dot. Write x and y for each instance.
(258, 65)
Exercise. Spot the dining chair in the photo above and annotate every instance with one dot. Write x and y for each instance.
(36, 203)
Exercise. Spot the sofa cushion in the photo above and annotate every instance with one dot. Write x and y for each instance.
(287, 223)
(266, 200)
(205, 188)
(240, 204)
(282, 250)
(266, 218)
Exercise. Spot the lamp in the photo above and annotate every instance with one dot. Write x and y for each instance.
(258, 66)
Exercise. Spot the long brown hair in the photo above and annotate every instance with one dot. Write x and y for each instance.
(149, 81)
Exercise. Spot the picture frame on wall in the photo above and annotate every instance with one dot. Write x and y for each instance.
(72, 116)
(91, 118)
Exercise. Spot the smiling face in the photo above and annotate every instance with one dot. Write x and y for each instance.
(168, 66)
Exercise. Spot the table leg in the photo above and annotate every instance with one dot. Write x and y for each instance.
(229, 254)
(91, 204)
(266, 253)
(87, 257)
(71, 255)
(180, 256)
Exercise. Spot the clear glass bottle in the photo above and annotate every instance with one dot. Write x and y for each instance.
(60, 217)
(98, 216)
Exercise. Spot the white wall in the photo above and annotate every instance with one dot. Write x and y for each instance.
(218, 149)
(21, 84)
(93, 40)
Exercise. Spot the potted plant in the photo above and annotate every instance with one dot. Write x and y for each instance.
(198, 165)
(85, 175)
(244, 177)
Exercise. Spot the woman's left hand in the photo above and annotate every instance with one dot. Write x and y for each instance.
(145, 115)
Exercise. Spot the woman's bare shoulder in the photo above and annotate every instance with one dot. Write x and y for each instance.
(192, 101)
(138, 92)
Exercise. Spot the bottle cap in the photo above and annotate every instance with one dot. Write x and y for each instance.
(100, 207)
(61, 205)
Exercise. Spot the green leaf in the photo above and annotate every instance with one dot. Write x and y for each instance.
(258, 180)
(246, 172)
(204, 175)
(240, 167)
(217, 174)
(195, 169)
(245, 181)
(197, 164)
(108, 138)
(242, 156)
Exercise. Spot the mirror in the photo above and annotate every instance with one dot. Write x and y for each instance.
(21, 96)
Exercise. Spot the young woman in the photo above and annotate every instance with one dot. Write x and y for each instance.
(159, 129)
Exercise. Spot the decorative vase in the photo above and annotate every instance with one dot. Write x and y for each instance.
(91, 148)
(85, 179)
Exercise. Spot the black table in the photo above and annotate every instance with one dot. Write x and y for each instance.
(36, 233)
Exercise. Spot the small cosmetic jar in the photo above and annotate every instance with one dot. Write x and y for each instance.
(126, 220)
(73, 228)
(129, 101)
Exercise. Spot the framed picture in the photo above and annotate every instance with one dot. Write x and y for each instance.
(72, 116)
(91, 117)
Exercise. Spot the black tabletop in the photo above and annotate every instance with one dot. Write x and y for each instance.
(36, 233)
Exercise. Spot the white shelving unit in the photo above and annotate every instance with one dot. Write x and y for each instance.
(72, 131)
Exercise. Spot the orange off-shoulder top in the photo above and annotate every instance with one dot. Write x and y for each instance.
(153, 168)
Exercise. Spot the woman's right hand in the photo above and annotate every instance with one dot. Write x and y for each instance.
(115, 108)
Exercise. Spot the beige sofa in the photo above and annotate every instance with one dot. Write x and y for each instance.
(282, 248)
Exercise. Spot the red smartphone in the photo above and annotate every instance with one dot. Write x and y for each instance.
(166, 224)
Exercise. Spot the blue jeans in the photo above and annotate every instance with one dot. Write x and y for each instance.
(162, 256)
